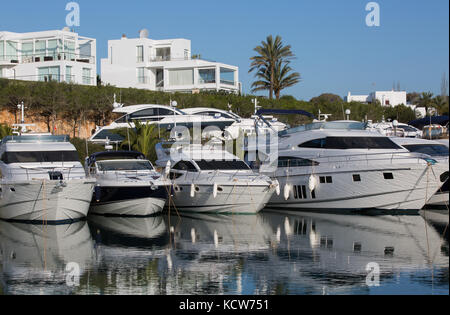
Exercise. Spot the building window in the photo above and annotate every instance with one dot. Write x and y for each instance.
(69, 49)
(140, 54)
(2, 50)
(181, 77)
(27, 52)
(40, 47)
(47, 74)
(87, 79)
(163, 54)
(206, 76)
(356, 178)
(11, 51)
(227, 76)
(142, 78)
(69, 77)
(388, 176)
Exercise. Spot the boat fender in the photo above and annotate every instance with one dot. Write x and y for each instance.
(167, 169)
(277, 187)
(215, 188)
(312, 183)
(192, 190)
(287, 190)
(98, 193)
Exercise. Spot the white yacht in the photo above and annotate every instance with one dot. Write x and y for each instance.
(341, 165)
(245, 125)
(209, 180)
(42, 180)
(437, 150)
(165, 117)
(127, 184)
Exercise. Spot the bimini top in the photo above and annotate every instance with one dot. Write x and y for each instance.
(115, 155)
(35, 138)
(336, 125)
(435, 120)
(284, 112)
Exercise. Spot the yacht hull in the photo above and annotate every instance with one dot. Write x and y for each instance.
(231, 200)
(44, 201)
(410, 188)
(129, 201)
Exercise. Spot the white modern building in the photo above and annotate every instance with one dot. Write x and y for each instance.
(164, 65)
(61, 56)
(386, 98)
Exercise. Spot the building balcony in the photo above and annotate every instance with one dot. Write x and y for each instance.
(36, 58)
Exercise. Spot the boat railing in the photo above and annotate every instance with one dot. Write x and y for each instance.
(47, 173)
(366, 158)
(124, 174)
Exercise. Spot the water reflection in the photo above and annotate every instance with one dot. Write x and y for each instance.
(269, 253)
(34, 257)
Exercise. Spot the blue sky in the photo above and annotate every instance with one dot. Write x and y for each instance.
(336, 52)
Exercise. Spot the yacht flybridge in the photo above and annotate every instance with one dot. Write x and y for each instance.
(341, 165)
(42, 179)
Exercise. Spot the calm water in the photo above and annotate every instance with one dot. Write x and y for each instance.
(271, 253)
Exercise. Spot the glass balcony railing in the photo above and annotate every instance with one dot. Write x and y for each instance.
(32, 58)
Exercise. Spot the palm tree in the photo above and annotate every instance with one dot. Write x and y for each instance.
(282, 78)
(142, 138)
(270, 53)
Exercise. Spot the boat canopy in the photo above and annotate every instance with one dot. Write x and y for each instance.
(435, 120)
(284, 112)
(114, 155)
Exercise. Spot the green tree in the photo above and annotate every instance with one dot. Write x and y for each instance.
(142, 138)
(272, 53)
(5, 130)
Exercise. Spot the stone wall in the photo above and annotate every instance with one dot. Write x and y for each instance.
(62, 127)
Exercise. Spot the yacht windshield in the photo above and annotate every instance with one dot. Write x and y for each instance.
(337, 125)
(40, 157)
(432, 150)
(222, 165)
(130, 165)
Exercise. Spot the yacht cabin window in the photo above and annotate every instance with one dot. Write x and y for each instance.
(345, 143)
(433, 150)
(130, 165)
(40, 157)
(222, 165)
(286, 161)
(185, 166)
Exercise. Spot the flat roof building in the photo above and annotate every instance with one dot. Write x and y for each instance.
(164, 65)
(58, 55)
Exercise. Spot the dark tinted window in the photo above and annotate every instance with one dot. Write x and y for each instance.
(40, 157)
(144, 113)
(185, 166)
(316, 144)
(108, 133)
(430, 149)
(344, 143)
(295, 162)
(222, 165)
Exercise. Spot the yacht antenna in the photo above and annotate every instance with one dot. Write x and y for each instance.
(255, 101)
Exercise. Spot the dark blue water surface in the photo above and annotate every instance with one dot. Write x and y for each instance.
(270, 253)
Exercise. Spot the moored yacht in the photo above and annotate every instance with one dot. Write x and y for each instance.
(210, 180)
(127, 184)
(42, 180)
(165, 117)
(341, 165)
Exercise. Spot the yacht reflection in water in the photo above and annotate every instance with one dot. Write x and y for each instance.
(268, 253)
(34, 258)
